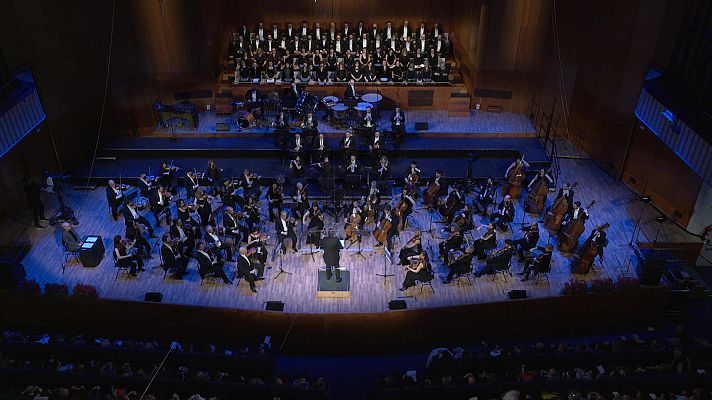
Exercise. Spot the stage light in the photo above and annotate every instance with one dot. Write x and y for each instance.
(669, 115)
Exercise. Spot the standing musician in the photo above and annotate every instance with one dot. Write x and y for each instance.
(398, 124)
(274, 200)
(598, 239)
(131, 214)
(412, 248)
(505, 213)
(574, 214)
(296, 167)
(498, 260)
(528, 241)
(213, 242)
(419, 270)
(285, 229)
(518, 163)
(246, 270)
(213, 173)
(384, 169)
(485, 197)
(347, 145)
(171, 258)
(316, 222)
(231, 225)
(253, 97)
(332, 246)
(453, 241)
(145, 185)
(389, 215)
(202, 203)
(488, 241)
(280, 121)
(250, 185)
(191, 183)
(461, 265)
(160, 205)
(183, 237)
(539, 176)
(208, 264)
(115, 197)
(167, 177)
(539, 264)
(567, 192)
(350, 92)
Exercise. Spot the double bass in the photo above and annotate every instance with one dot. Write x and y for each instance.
(582, 262)
(537, 197)
(553, 217)
(568, 238)
(381, 232)
(515, 178)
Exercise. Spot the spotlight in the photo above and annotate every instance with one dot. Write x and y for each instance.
(646, 199)
(660, 219)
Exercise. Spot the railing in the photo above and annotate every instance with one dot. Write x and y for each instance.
(20, 110)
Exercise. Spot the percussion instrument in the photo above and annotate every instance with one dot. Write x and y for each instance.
(372, 97)
(330, 101)
(339, 110)
(383, 79)
(245, 120)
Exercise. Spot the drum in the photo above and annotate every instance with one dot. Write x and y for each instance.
(245, 120)
(372, 97)
(383, 79)
(330, 101)
(361, 108)
(338, 111)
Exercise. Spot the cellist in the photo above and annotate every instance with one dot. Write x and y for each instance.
(404, 208)
(436, 186)
(567, 192)
(390, 216)
(353, 219)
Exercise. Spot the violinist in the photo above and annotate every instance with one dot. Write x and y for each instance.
(145, 185)
(301, 199)
(172, 258)
(574, 214)
(256, 245)
(250, 184)
(384, 169)
(140, 243)
(167, 177)
(183, 238)
(160, 202)
(251, 213)
(212, 240)
(419, 270)
(228, 194)
(316, 222)
(485, 197)
(231, 225)
(115, 198)
(528, 241)
(123, 256)
(285, 229)
(274, 200)
(202, 203)
(208, 264)
(353, 220)
(461, 265)
(539, 264)
(488, 241)
(189, 223)
(246, 270)
(296, 167)
(191, 183)
(131, 214)
(389, 215)
(213, 174)
(412, 248)
(599, 241)
(453, 241)
(505, 213)
(496, 261)
(542, 175)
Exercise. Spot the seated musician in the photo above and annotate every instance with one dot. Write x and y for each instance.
(574, 214)
(375, 147)
(412, 248)
(183, 211)
(231, 225)
(539, 264)
(464, 219)
(596, 238)
(419, 270)
(183, 237)
(396, 72)
(160, 205)
(212, 240)
(352, 168)
(316, 223)
(324, 169)
(453, 241)
(171, 257)
(341, 75)
(301, 198)
(347, 144)
(274, 200)
(357, 74)
(191, 183)
(485, 197)
(384, 169)
(528, 241)
(124, 258)
(250, 184)
(134, 234)
(350, 93)
(145, 185)
(208, 263)
(461, 265)
(453, 203)
(319, 147)
(407, 208)
(310, 125)
(541, 175)
(115, 197)
(488, 241)
(505, 213)
(246, 270)
(131, 215)
(285, 229)
(70, 239)
(354, 217)
(257, 244)
(281, 121)
(497, 261)
(369, 119)
(389, 215)
(413, 170)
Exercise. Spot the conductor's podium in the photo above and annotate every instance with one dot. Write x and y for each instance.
(329, 288)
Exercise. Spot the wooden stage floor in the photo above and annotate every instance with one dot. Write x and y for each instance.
(370, 293)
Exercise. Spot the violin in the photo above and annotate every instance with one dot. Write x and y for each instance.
(568, 239)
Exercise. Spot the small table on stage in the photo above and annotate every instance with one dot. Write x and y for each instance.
(92, 251)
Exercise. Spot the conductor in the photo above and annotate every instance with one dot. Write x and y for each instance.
(332, 246)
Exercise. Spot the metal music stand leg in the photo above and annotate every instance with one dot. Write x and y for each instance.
(281, 269)
(385, 262)
(360, 250)
(430, 229)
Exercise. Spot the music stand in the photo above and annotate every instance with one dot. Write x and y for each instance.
(359, 237)
(386, 258)
(312, 251)
(281, 266)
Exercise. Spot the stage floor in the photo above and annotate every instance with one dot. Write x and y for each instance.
(369, 292)
(484, 123)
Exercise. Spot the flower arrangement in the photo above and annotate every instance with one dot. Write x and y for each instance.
(56, 290)
(85, 292)
(602, 285)
(574, 287)
(28, 286)
(628, 282)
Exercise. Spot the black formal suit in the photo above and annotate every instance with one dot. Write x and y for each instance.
(160, 206)
(285, 230)
(191, 185)
(569, 198)
(115, 199)
(537, 265)
(461, 266)
(129, 219)
(505, 214)
(244, 271)
(573, 215)
(206, 265)
(232, 226)
(496, 262)
(332, 246)
(173, 260)
(350, 92)
(526, 242)
(187, 245)
(218, 246)
(405, 31)
(71, 240)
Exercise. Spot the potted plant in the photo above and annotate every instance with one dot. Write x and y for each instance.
(602, 285)
(82, 291)
(574, 287)
(28, 286)
(56, 290)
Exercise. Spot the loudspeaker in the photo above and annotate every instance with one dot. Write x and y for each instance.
(517, 294)
(651, 270)
(222, 126)
(421, 126)
(397, 305)
(274, 306)
(155, 297)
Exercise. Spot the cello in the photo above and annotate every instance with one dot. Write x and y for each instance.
(431, 192)
(553, 217)
(381, 232)
(537, 198)
(568, 239)
(583, 261)
(515, 178)
(354, 222)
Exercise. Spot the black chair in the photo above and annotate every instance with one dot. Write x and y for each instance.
(427, 281)
(543, 274)
(208, 277)
(119, 268)
(506, 269)
(467, 274)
